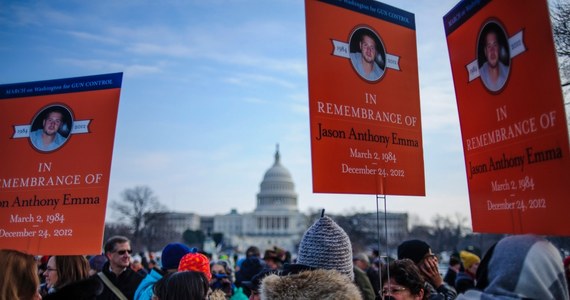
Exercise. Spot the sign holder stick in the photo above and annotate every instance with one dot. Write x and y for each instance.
(383, 197)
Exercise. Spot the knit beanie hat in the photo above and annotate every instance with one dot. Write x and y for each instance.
(468, 259)
(172, 254)
(96, 262)
(325, 245)
(249, 268)
(194, 261)
(415, 250)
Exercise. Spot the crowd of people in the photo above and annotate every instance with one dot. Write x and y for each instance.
(516, 267)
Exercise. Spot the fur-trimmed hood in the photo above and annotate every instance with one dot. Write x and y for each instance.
(310, 284)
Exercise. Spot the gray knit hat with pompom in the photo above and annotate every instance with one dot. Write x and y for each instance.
(325, 245)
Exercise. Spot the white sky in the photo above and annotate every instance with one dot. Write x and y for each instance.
(210, 87)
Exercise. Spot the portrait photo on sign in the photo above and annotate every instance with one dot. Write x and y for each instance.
(51, 128)
(493, 56)
(367, 54)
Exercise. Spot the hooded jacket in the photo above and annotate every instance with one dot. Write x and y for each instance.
(144, 290)
(309, 284)
(520, 267)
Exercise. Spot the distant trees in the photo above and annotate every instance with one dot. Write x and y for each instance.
(359, 235)
(194, 238)
(137, 208)
(448, 231)
(560, 15)
(445, 233)
(218, 237)
(112, 229)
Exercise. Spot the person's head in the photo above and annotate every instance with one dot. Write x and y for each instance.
(50, 274)
(405, 281)
(159, 287)
(272, 259)
(454, 263)
(221, 276)
(254, 284)
(96, 264)
(171, 256)
(186, 285)
(136, 265)
(249, 267)
(151, 263)
(416, 250)
(454, 260)
(491, 48)
(118, 251)
(42, 265)
(325, 245)
(19, 277)
(362, 261)
(367, 46)
(252, 251)
(196, 262)
(65, 269)
(221, 267)
(52, 121)
(522, 266)
(470, 262)
(375, 253)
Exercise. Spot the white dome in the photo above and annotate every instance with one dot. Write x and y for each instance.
(277, 190)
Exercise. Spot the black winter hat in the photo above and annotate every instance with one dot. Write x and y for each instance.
(414, 250)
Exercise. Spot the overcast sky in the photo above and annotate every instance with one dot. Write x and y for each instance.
(209, 89)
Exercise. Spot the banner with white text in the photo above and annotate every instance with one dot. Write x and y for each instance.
(56, 145)
(364, 101)
(513, 123)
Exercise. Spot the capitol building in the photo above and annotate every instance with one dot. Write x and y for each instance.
(275, 221)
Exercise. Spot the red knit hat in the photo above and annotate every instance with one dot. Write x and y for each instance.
(195, 262)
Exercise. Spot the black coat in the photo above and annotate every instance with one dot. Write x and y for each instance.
(127, 282)
(87, 289)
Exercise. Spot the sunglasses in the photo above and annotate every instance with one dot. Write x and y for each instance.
(122, 252)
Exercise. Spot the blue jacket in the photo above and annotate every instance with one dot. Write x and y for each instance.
(144, 291)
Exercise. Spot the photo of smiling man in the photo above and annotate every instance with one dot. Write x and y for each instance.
(367, 54)
(52, 128)
(494, 69)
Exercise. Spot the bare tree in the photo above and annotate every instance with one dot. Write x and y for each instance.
(112, 229)
(447, 232)
(136, 208)
(194, 238)
(560, 16)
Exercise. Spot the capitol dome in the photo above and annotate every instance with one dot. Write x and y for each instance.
(277, 190)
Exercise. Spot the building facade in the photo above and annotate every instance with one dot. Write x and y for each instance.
(393, 227)
(165, 227)
(276, 220)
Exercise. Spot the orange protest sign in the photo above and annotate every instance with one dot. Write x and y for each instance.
(56, 144)
(513, 124)
(364, 99)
